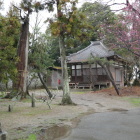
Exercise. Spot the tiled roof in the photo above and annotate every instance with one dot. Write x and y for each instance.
(96, 48)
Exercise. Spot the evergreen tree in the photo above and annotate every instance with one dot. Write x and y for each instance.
(28, 6)
(97, 14)
(68, 26)
(9, 35)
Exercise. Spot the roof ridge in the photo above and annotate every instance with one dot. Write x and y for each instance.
(91, 43)
(97, 48)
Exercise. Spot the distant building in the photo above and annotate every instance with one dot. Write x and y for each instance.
(84, 74)
(54, 80)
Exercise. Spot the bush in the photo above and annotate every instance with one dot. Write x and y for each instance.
(2, 94)
(136, 82)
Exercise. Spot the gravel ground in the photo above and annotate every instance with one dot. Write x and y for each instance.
(24, 119)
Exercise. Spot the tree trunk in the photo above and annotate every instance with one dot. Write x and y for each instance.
(109, 74)
(66, 91)
(45, 86)
(112, 80)
(23, 59)
(66, 99)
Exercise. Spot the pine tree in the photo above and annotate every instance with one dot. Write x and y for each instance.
(68, 27)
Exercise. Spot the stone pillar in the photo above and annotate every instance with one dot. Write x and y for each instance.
(2, 134)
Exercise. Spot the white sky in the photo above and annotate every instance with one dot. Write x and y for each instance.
(7, 2)
(43, 15)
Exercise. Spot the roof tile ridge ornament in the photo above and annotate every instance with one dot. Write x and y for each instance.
(104, 46)
(107, 49)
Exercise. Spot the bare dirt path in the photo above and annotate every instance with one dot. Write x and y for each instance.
(24, 120)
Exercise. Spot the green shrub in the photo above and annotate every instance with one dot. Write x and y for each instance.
(2, 94)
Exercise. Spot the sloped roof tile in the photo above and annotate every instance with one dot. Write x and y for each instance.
(96, 48)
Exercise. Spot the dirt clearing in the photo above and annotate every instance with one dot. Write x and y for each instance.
(24, 120)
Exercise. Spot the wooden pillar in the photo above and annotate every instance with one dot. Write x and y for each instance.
(96, 80)
(82, 71)
(70, 72)
(125, 73)
(75, 75)
(90, 76)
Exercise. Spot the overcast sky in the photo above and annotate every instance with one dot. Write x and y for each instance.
(43, 14)
(7, 2)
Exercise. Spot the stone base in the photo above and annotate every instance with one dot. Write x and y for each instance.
(3, 135)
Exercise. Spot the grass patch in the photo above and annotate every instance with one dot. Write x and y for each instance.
(134, 101)
(26, 100)
(25, 110)
(4, 113)
(35, 111)
(31, 137)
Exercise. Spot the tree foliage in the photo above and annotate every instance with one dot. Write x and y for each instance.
(53, 47)
(9, 35)
(1, 4)
(67, 21)
(123, 36)
(68, 26)
(124, 33)
(39, 57)
(26, 7)
(97, 13)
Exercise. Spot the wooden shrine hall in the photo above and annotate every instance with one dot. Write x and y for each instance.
(85, 74)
